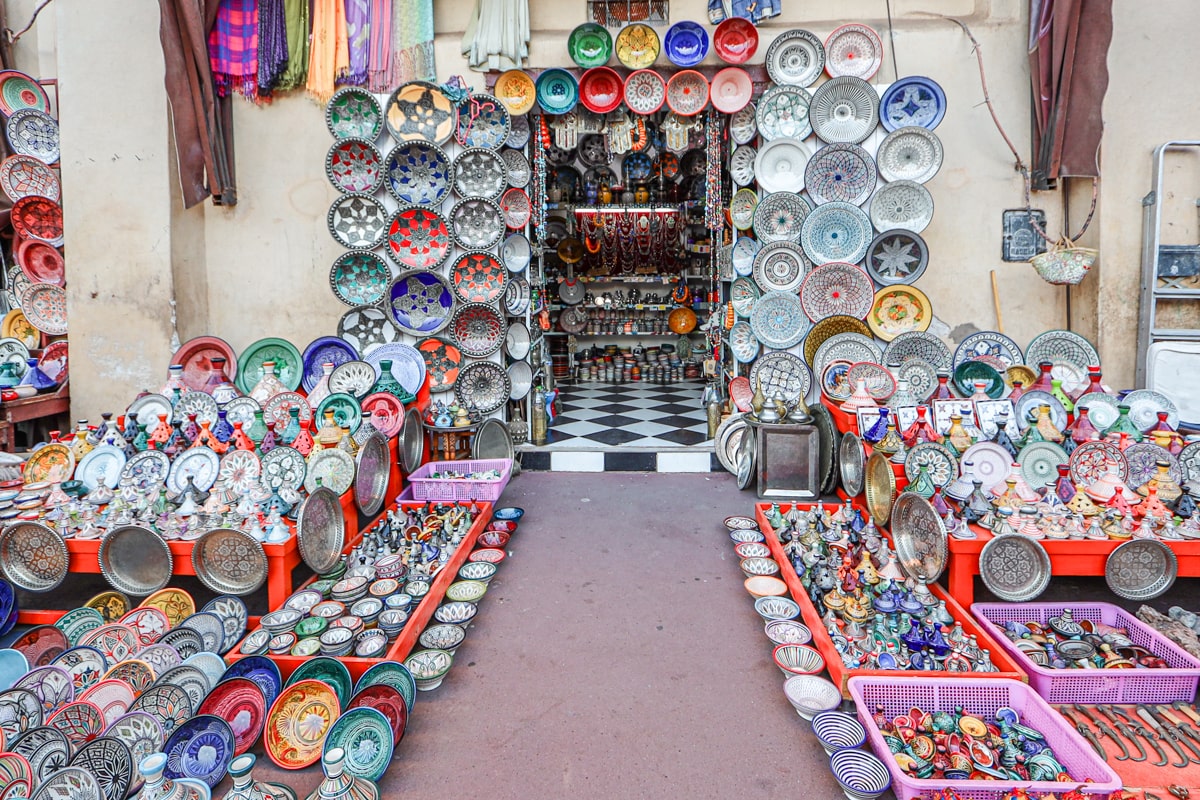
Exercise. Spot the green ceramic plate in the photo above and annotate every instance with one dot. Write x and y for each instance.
(311, 627)
(967, 373)
(289, 366)
(366, 736)
(590, 45)
(391, 674)
(347, 412)
(328, 670)
(79, 622)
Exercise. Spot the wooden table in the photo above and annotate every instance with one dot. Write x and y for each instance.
(451, 444)
(31, 409)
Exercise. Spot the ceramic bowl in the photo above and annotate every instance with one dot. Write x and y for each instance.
(456, 613)
(489, 555)
(429, 668)
(477, 571)
(506, 525)
(810, 695)
(837, 730)
(862, 776)
(508, 512)
(759, 566)
(740, 536)
(787, 631)
(797, 659)
(443, 637)
(772, 608)
(493, 539)
(13, 666)
(752, 550)
(467, 591)
(765, 586)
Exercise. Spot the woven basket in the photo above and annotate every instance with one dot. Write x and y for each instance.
(1064, 264)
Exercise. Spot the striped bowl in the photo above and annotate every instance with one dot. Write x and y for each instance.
(837, 730)
(862, 776)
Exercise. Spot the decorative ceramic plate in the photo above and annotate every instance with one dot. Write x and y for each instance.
(557, 91)
(742, 255)
(418, 238)
(14, 351)
(919, 374)
(443, 360)
(77, 783)
(899, 309)
(991, 464)
(289, 366)
(241, 701)
(781, 373)
(41, 264)
(229, 561)
(515, 89)
(478, 277)
(795, 58)
(477, 329)
(1102, 409)
(836, 289)
(200, 748)
(517, 296)
(686, 43)
(741, 165)
(283, 466)
(421, 302)
(1140, 570)
(367, 737)
(735, 40)
(840, 172)
(33, 557)
(483, 385)
(334, 468)
(359, 278)
(1143, 457)
(988, 343)
(1189, 461)
(743, 125)
(354, 113)
(15, 326)
(142, 734)
(731, 90)
(516, 167)
(853, 50)
(408, 366)
(420, 112)
(780, 266)
(969, 373)
(778, 320)
(516, 252)
(742, 208)
(687, 93)
(782, 112)
(897, 256)
(590, 45)
(1015, 568)
(909, 154)
(324, 350)
(645, 91)
(45, 306)
(1059, 345)
(601, 90)
(103, 465)
(480, 172)
(516, 209)
(477, 224)
(43, 644)
(743, 344)
(33, 133)
(877, 379)
(743, 294)
(836, 232)
(1039, 462)
(196, 355)
(366, 326)
(779, 217)
(844, 109)
(354, 166)
(200, 464)
(938, 460)
(828, 327)
(637, 46)
(849, 346)
(917, 344)
(54, 463)
(177, 604)
(483, 121)
(902, 204)
(353, 379)
(21, 176)
(18, 91)
(53, 361)
(298, 722)
(1028, 404)
(38, 218)
(912, 101)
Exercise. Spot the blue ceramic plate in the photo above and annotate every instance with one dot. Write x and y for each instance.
(686, 43)
(262, 671)
(417, 173)
(421, 302)
(200, 748)
(12, 667)
(323, 350)
(912, 101)
(509, 513)
(557, 91)
(366, 736)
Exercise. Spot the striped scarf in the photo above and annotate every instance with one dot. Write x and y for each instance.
(233, 48)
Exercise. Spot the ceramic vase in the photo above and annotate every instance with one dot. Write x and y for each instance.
(321, 390)
(268, 385)
(337, 784)
(218, 384)
(174, 381)
(245, 787)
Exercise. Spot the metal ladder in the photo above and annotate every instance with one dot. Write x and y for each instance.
(1167, 263)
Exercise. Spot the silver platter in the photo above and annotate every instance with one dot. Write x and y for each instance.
(1015, 568)
(920, 537)
(492, 440)
(135, 560)
(229, 561)
(371, 475)
(781, 372)
(852, 462)
(412, 441)
(728, 439)
(321, 530)
(1141, 569)
(33, 557)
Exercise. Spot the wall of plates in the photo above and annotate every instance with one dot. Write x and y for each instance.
(433, 215)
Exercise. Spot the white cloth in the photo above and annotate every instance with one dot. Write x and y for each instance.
(497, 35)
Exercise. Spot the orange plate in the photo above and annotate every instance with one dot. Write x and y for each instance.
(298, 722)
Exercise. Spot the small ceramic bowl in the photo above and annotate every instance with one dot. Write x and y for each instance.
(489, 555)
(752, 550)
(468, 591)
(506, 525)
(759, 566)
(765, 586)
(456, 613)
(771, 608)
(508, 513)
(741, 536)
(837, 730)
(493, 539)
(787, 631)
(442, 637)
(13, 666)
(477, 571)
(429, 668)
(861, 775)
(810, 695)
(797, 659)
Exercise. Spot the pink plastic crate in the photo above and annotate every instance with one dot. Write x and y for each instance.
(1104, 686)
(897, 696)
(425, 487)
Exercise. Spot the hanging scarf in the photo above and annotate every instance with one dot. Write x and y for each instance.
(272, 45)
(296, 73)
(329, 55)
(412, 38)
(233, 47)
(358, 35)
(379, 60)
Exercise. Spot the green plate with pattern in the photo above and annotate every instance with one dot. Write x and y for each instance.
(590, 45)
(347, 412)
(968, 373)
(289, 366)
(79, 622)
(392, 674)
(310, 627)
(329, 671)
(365, 735)
(468, 591)
(359, 279)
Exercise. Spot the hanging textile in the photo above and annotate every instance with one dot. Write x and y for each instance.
(412, 41)
(272, 45)
(753, 10)
(358, 33)
(497, 35)
(233, 48)
(379, 56)
(328, 54)
(295, 13)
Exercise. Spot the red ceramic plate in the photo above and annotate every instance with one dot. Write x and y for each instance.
(388, 701)
(80, 721)
(54, 361)
(240, 702)
(41, 263)
(741, 393)
(41, 645)
(385, 411)
(196, 356)
(443, 360)
(687, 92)
(731, 90)
(601, 89)
(36, 217)
(516, 208)
(735, 40)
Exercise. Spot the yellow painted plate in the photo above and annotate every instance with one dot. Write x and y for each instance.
(1020, 372)
(516, 91)
(638, 46)
(111, 605)
(54, 463)
(177, 604)
(899, 309)
(16, 326)
(881, 487)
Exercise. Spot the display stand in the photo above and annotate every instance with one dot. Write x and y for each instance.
(30, 409)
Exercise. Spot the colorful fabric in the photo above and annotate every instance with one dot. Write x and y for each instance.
(272, 44)
(295, 13)
(329, 55)
(233, 47)
(412, 38)
(379, 59)
(358, 41)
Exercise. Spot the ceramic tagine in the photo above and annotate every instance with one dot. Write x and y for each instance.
(245, 787)
(159, 787)
(337, 784)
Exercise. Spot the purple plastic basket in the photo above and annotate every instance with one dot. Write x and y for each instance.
(426, 487)
(898, 696)
(1103, 686)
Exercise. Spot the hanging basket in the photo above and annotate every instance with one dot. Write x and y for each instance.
(1064, 264)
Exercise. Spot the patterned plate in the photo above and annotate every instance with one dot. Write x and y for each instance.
(408, 367)
(18, 90)
(912, 101)
(354, 166)
(780, 266)
(742, 255)
(1189, 462)
(108, 761)
(743, 294)
(38, 218)
(354, 113)
(778, 320)
(442, 362)
(357, 221)
(477, 224)
(417, 173)
(1144, 405)
(421, 302)
(939, 461)
(177, 604)
(645, 91)
(742, 208)
(1039, 462)
(1059, 345)
(196, 355)
(853, 50)
(1142, 458)
(366, 736)
(743, 344)
(902, 204)
(477, 329)
(21, 176)
(782, 112)
(298, 722)
(1102, 409)
(917, 344)
(1140, 570)
(200, 748)
(420, 112)
(988, 343)
(795, 58)
(483, 121)
(899, 309)
(910, 154)
(829, 327)
(741, 165)
(289, 366)
(229, 561)
(840, 172)
(324, 350)
(483, 385)
(920, 537)
(637, 46)
(366, 326)
(516, 209)
(388, 701)
(479, 172)
(516, 167)
(743, 125)
(1028, 403)
(354, 379)
(200, 464)
(33, 557)
(897, 256)
(919, 374)
(334, 468)
(849, 346)
(41, 645)
(359, 278)
(779, 217)
(418, 238)
(517, 296)
(478, 277)
(54, 463)
(836, 289)
(515, 89)
(241, 702)
(781, 373)
(1015, 568)
(844, 109)
(45, 306)
(33, 133)
(103, 465)
(283, 466)
(142, 734)
(169, 704)
(836, 232)
(876, 378)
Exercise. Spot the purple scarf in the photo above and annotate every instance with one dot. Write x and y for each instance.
(272, 44)
(358, 31)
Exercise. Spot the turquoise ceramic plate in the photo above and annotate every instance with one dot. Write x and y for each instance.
(289, 366)
(557, 91)
(366, 736)
(968, 373)
(347, 412)
(391, 674)
(328, 670)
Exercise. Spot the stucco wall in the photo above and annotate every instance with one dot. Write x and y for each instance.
(261, 268)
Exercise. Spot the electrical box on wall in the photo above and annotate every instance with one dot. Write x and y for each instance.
(1020, 240)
